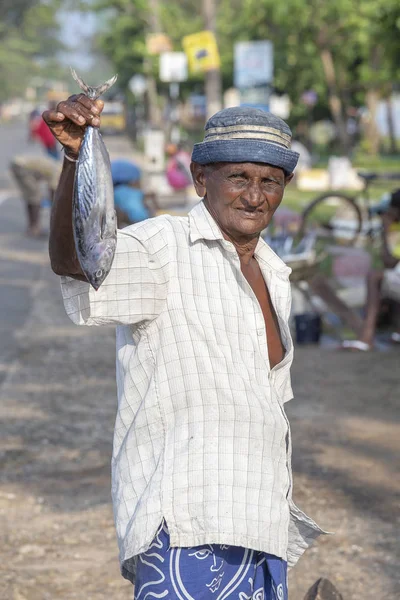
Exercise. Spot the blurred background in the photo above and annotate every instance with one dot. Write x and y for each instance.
(332, 71)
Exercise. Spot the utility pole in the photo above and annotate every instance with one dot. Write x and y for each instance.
(155, 27)
(213, 82)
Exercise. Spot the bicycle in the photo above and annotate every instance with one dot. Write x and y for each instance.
(338, 218)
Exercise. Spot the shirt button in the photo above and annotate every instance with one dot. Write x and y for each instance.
(260, 332)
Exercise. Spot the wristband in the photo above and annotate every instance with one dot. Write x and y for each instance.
(74, 160)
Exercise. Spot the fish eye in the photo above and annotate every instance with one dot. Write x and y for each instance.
(98, 273)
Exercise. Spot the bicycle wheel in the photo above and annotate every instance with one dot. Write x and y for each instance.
(334, 218)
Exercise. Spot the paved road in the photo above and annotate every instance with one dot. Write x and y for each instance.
(57, 409)
(21, 258)
(13, 140)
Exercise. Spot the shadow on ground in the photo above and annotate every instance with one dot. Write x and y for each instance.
(58, 403)
(346, 437)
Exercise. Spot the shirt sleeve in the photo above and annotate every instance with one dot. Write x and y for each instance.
(135, 290)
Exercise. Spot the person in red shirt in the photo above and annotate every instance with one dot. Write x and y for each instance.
(39, 130)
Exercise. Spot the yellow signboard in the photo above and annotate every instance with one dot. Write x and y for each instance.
(202, 51)
(156, 43)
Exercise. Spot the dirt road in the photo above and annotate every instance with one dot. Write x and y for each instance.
(57, 405)
(57, 412)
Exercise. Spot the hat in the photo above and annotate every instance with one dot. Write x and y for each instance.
(124, 171)
(244, 134)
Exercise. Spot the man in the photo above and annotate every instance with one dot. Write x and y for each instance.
(383, 283)
(201, 468)
(30, 172)
(39, 130)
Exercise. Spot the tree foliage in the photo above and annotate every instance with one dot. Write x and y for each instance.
(28, 34)
(299, 29)
(122, 35)
(340, 49)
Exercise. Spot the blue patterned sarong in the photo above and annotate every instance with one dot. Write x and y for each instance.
(209, 572)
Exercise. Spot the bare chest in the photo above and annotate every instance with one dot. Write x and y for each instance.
(253, 274)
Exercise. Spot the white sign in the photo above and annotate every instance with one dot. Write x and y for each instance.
(254, 64)
(137, 84)
(173, 67)
(154, 144)
(280, 106)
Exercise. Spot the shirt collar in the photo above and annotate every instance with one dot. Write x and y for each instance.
(202, 226)
(271, 260)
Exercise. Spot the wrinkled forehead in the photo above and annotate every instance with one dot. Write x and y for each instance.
(251, 169)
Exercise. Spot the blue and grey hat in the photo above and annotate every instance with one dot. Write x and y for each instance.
(244, 134)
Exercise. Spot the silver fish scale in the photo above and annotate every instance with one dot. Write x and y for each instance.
(93, 215)
(87, 176)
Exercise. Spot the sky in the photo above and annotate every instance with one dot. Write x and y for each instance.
(76, 28)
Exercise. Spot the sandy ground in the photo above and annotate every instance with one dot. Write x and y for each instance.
(57, 404)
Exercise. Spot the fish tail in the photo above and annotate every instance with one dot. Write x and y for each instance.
(93, 92)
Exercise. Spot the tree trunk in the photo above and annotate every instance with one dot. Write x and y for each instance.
(213, 80)
(372, 99)
(335, 102)
(391, 125)
(213, 92)
(321, 287)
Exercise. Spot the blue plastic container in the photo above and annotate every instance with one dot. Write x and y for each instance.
(308, 328)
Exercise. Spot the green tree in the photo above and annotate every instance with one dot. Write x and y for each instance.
(334, 48)
(28, 33)
(122, 35)
(380, 64)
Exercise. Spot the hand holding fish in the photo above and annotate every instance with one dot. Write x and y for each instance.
(68, 123)
(83, 236)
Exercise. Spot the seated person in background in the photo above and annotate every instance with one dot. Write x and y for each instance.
(30, 172)
(178, 167)
(130, 201)
(384, 283)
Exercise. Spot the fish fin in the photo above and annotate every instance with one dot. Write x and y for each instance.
(103, 226)
(80, 81)
(93, 92)
(100, 89)
(108, 224)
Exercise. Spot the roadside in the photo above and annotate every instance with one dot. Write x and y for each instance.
(57, 406)
(346, 439)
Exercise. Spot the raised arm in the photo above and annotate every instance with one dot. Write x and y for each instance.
(68, 124)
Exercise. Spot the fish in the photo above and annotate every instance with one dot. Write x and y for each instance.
(94, 220)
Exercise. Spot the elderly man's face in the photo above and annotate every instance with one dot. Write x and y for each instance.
(242, 197)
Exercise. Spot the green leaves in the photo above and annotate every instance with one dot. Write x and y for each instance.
(301, 30)
(28, 31)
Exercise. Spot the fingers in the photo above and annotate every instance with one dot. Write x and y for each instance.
(81, 110)
(93, 106)
(52, 116)
(99, 105)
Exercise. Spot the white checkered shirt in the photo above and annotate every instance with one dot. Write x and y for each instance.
(201, 437)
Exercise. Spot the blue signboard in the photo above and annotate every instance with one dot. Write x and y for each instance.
(254, 64)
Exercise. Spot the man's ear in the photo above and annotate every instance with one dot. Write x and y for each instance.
(199, 178)
(288, 178)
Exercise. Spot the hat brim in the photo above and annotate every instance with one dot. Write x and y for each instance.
(247, 150)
